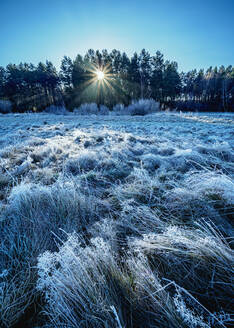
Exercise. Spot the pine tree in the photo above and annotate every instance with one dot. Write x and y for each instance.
(66, 70)
(156, 81)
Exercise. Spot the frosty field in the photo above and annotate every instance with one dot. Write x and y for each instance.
(116, 221)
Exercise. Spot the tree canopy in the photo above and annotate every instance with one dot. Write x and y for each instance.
(142, 75)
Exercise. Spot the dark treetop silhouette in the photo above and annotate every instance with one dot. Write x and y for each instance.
(30, 87)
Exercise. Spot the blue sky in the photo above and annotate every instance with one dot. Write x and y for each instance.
(197, 34)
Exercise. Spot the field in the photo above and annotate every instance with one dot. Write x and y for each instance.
(116, 221)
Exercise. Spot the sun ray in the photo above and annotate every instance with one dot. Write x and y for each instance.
(100, 75)
(100, 83)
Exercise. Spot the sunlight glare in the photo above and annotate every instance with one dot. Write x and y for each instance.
(100, 75)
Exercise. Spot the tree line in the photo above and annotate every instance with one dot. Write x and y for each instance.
(142, 75)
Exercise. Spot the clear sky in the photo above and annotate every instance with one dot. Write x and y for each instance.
(197, 34)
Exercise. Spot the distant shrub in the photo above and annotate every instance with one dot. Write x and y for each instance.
(119, 109)
(143, 107)
(5, 106)
(58, 110)
(87, 109)
(140, 107)
(104, 110)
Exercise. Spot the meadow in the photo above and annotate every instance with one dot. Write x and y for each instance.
(116, 221)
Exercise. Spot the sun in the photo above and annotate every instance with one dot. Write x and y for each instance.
(100, 75)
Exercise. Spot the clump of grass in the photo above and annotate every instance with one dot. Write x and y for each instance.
(86, 286)
(201, 195)
(166, 151)
(86, 161)
(141, 187)
(151, 162)
(45, 176)
(224, 153)
(61, 203)
(199, 260)
(34, 214)
(4, 180)
(113, 169)
(212, 183)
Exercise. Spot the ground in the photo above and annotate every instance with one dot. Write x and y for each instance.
(139, 209)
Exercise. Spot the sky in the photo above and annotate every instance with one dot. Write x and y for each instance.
(196, 34)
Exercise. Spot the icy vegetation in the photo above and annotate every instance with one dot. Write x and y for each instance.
(5, 106)
(140, 107)
(116, 221)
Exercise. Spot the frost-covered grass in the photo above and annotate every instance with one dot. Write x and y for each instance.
(137, 107)
(116, 221)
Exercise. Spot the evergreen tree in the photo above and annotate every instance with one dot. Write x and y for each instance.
(144, 64)
(157, 76)
(66, 70)
(134, 77)
(2, 81)
(171, 81)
